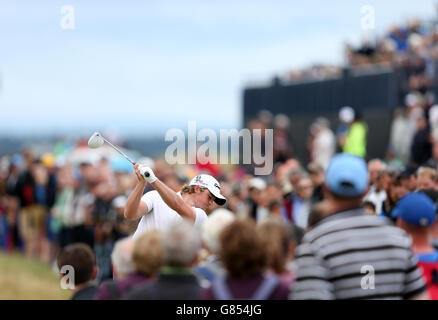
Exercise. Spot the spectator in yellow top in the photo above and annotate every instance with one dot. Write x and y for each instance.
(356, 140)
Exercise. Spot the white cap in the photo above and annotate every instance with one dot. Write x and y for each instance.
(119, 201)
(207, 181)
(257, 183)
(411, 100)
(346, 114)
(282, 121)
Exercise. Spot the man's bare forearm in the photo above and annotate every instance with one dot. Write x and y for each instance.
(133, 202)
(173, 200)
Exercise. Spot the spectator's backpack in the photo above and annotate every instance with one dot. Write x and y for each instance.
(263, 292)
(430, 276)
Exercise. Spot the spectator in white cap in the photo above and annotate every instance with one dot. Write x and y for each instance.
(356, 138)
(346, 117)
(162, 206)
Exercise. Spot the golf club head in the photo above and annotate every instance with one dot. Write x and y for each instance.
(95, 141)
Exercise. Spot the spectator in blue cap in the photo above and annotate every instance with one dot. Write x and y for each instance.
(415, 213)
(347, 176)
(332, 255)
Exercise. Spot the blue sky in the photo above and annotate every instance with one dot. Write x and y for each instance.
(142, 67)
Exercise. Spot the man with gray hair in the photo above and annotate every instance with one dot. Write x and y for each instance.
(375, 166)
(210, 232)
(376, 194)
(121, 258)
(176, 281)
(124, 271)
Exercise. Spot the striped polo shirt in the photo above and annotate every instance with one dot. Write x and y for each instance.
(352, 255)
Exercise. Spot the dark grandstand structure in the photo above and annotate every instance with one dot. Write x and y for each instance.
(374, 92)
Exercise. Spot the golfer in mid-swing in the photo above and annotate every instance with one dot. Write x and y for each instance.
(158, 208)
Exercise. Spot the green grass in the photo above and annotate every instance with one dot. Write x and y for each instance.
(21, 278)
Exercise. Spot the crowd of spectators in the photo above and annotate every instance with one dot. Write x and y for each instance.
(51, 202)
(302, 232)
(69, 209)
(273, 257)
(410, 49)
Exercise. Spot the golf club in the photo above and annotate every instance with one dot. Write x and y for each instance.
(97, 140)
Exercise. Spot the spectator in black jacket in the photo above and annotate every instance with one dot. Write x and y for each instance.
(316, 172)
(421, 148)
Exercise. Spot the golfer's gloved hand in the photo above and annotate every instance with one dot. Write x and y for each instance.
(147, 174)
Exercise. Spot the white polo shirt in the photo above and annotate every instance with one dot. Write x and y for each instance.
(160, 215)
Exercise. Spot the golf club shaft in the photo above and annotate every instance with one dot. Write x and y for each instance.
(118, 151)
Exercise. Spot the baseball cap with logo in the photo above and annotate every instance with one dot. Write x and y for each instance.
(347, 175)
(207, 181)
(415, 208)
